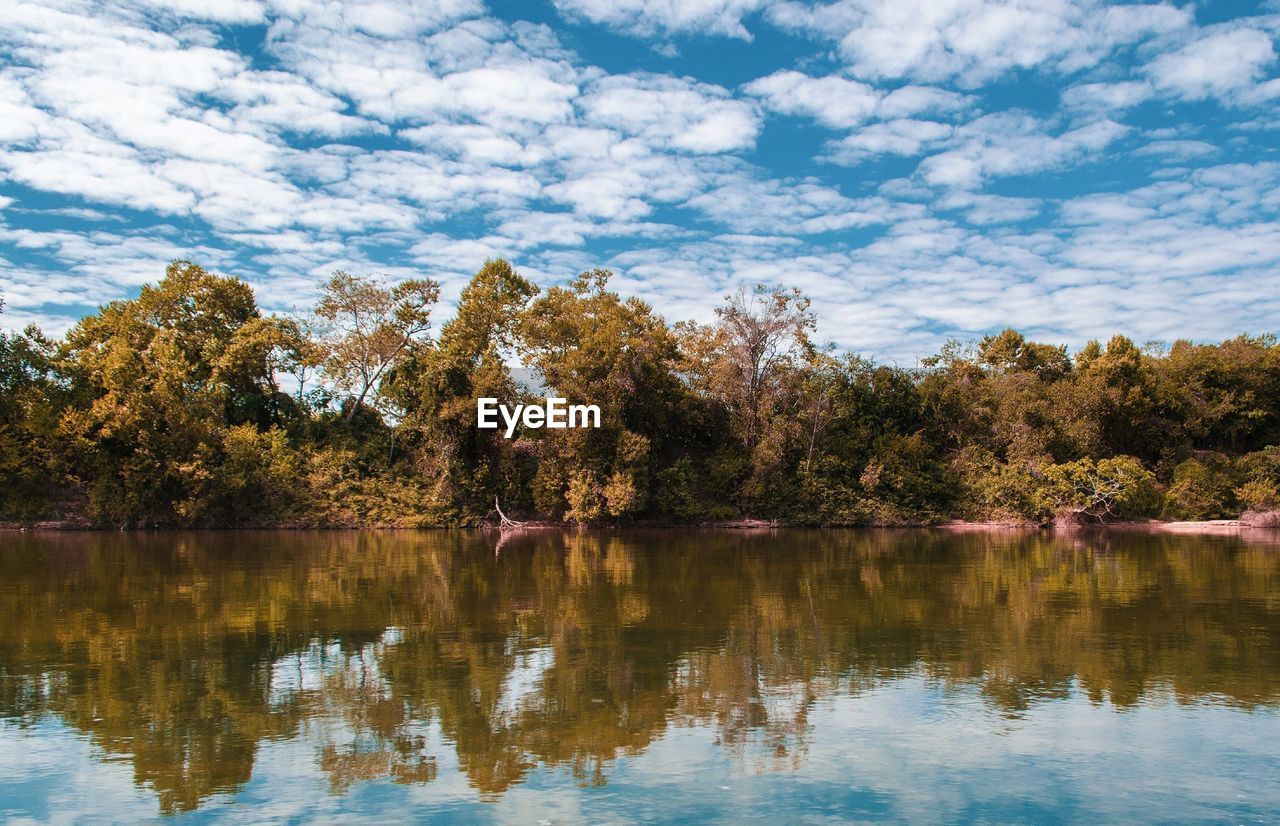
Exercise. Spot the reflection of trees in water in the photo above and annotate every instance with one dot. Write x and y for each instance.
(347, 707)
(186, 652)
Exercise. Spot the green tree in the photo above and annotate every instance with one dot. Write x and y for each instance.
(1202, 489)
(592, 347)
(157, 382)
(753, 362)
(438, 383)
(763, 337)
(368, 327)
(31, 402)
(1224, 396)
(1113, 407)
(1103, 489)
(1010, 351)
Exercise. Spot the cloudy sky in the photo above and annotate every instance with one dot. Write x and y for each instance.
(923, 168)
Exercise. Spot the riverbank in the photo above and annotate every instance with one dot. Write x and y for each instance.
(1269, 520)
(1266, 520)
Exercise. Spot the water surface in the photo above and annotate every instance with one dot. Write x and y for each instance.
(650, 676)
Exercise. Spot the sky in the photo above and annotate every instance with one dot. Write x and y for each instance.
(923, 169)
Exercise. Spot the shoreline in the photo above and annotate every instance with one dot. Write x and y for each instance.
(1209, 526)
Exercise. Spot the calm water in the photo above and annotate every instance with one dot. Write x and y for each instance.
(700, 676)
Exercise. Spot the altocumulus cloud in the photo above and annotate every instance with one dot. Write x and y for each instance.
(923, 169)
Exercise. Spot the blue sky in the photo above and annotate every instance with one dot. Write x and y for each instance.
(922, 168)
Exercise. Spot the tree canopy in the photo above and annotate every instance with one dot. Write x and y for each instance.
(188, 405)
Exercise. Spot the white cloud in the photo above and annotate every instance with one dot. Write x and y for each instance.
(748, 205)
(223, 11)
(110, 177)
(528, 92)
(20, 121)
(628, 183)
(266, 102)
(654, 18)
(895, 137)
(1181, 150)
(840, 103)
(1104, 97)
(1260, 94)
(832, 101)
(1215, 64)
(1010, 144)
(478, 144)
(379, 18)
(427, 62)
(974, 41)
(392, 176)
(990, 209)
(410, 136)
(908, 101)
(671, 112)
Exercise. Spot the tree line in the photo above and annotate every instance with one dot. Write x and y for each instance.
(189, 406)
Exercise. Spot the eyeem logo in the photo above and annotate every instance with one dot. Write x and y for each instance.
(557, 414)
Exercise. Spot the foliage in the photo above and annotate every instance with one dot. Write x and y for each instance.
(437, 384)
(31, 401)
(1201, 489)
(157, 382)
(752, 363)
(368, 327)
(189, 406)
(1104, 489)
(590, 346)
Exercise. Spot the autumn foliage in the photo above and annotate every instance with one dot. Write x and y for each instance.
(188, 405)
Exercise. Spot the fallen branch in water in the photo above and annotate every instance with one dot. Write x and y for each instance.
(503, 521)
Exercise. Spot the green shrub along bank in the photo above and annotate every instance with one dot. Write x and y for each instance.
(188, 406)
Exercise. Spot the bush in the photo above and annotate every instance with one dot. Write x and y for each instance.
(1261, 519)
(585, 497)
(1102, 490)
(259, 475)
(1001, 491)
(1260, 473)
(677, 491)
(1258, 495)
(1201, 489)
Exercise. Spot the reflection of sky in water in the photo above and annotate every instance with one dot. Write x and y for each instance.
(521, 685)
(717, 677)
(907, 749)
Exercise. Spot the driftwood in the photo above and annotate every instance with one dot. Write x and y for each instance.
(503, 522)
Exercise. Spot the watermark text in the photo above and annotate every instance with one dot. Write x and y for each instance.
(555, 413)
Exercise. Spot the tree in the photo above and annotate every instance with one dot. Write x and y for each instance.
(1102, 490)
(157, 381)
(753, 363)
(370, 326)
(260, 351)
(591, 346)
(309, 357)
(764, 332)
(1223, 395)
(1260, 476)
(174, 408)
(437, 385)
(1009, 350)
(1112, 406)
(1202, 489)
(31, 403)
(823, 384)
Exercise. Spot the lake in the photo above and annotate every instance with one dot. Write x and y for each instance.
(646, 676)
